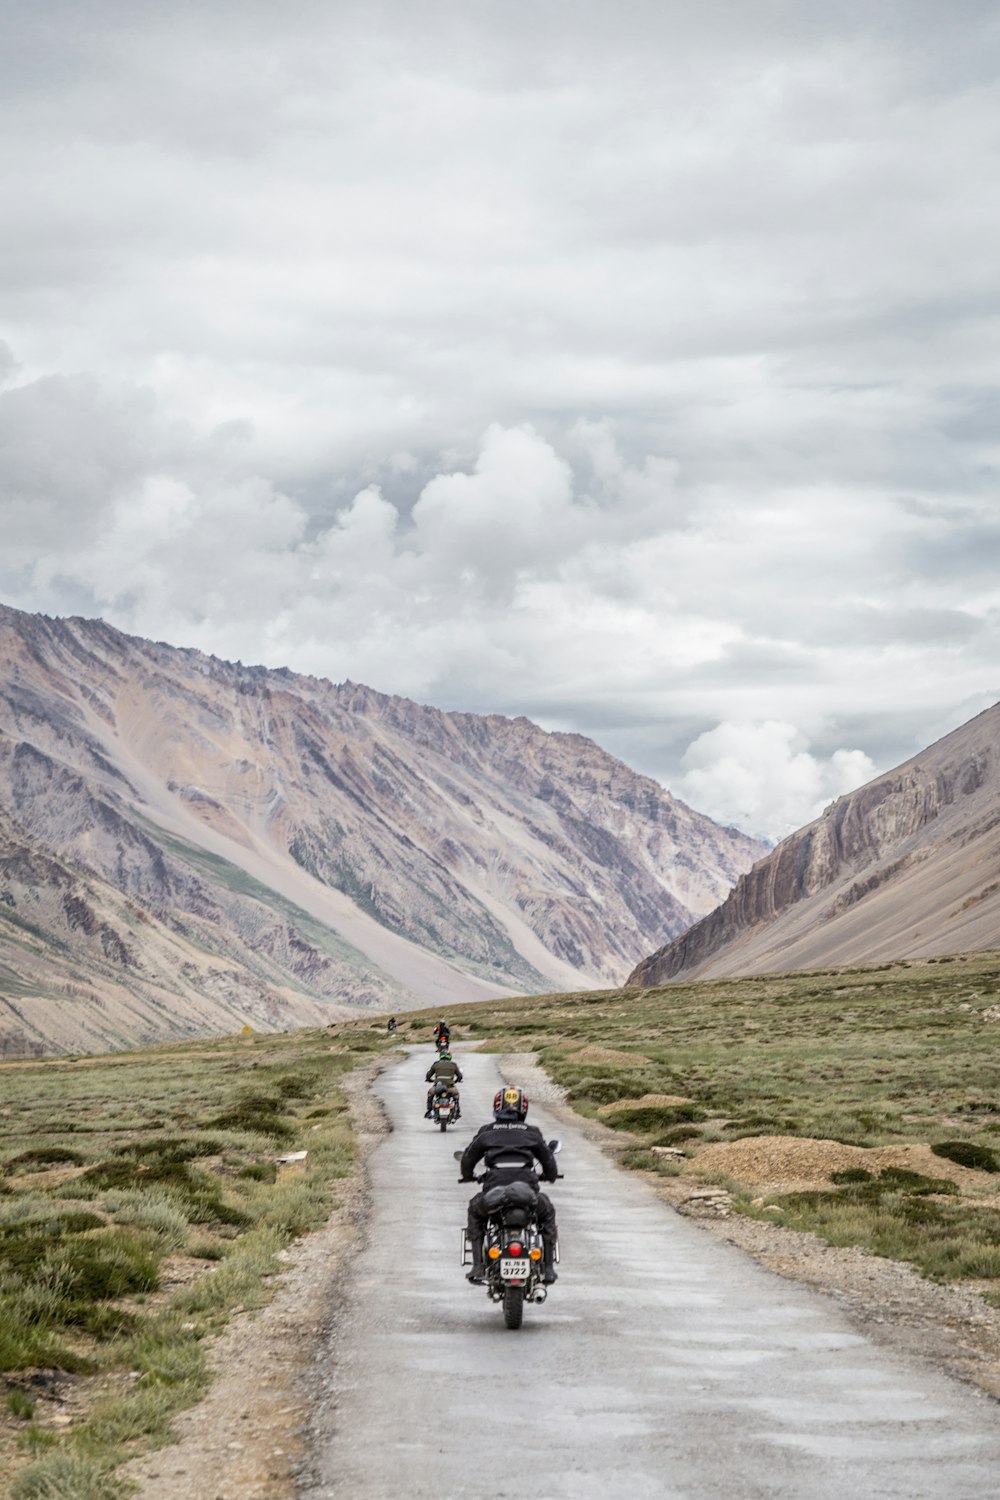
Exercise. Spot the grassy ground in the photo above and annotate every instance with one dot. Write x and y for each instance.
(140, 1204)
(901, 1053)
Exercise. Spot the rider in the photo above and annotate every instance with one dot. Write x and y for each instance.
(442, 1034)
(507, 1136)
(443, 1073)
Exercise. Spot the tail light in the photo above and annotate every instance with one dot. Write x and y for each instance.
(515, 1248)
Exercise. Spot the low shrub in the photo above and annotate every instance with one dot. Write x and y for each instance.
(44, 1156)
(101, 1267)
(648, 1117)
(856, 1188)
(20, 1405)
(27, 1343)
(258, 1113)
(943, 1239)
(639, 1159)
(159, 1217)
(968, 1154)
(293, 1087)
(761, 1124)
(52, 1223)
(598, 1089)
(676, 1134)
(199, 1194)
(172, 1150)
(259, 1171)
(69, 1475)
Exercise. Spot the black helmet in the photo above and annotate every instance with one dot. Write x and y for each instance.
(510, 1104)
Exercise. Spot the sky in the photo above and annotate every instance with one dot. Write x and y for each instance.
(635, 368)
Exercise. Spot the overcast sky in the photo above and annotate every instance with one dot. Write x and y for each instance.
(634, 367)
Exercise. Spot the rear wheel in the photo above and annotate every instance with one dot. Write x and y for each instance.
(513, 1306)
(444, 1124)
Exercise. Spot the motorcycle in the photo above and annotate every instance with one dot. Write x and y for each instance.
(445, 1108)
(513, 1252)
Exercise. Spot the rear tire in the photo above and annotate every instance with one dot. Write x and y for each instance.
(444, 1125)
(513, 1306)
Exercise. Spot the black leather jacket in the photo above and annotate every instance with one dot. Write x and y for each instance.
(507, 1141)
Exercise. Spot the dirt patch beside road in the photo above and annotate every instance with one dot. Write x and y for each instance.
(794, 1164)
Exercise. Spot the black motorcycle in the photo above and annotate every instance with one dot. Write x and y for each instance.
(513, 1253)
(445, 1108)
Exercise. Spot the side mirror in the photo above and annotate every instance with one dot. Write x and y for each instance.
(458, 1155)
(555, 1147)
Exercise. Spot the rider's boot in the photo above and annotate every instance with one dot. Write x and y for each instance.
(478, 1273)
(549, 1272)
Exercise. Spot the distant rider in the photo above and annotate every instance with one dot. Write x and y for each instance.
(443, 1073)
(507, 1136)
(442, 1036)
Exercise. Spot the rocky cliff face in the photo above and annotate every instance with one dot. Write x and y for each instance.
(907, 866)
(324, 842)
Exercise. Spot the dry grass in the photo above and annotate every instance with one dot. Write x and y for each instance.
(139, 1204)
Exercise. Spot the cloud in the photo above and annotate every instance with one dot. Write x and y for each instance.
(514, 512)
(763, 778)
(563, 581)
(635, 370)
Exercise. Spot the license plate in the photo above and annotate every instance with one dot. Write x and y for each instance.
(444, 1109)
(515, 1270)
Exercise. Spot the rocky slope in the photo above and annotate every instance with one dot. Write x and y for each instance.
(907, 866)
(311, 842)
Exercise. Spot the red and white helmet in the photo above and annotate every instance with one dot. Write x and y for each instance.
(510, 1103)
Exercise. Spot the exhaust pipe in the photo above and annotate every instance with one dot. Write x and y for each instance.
(540, 1294)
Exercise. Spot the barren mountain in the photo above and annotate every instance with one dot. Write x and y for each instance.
(257, 844)
(907, 866)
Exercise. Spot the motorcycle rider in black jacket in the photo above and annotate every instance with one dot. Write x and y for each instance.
(506, 1137)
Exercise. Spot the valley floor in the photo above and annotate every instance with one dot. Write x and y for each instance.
(250, 1438)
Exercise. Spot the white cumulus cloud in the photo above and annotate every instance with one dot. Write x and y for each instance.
(763, 778)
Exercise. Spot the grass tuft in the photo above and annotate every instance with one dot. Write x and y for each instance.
(44, 1156)
(968, 1154)
(69, 1475)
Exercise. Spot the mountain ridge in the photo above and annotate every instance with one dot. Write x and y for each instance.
(907, 866)
(432, 855)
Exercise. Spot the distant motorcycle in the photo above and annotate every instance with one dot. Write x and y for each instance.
(445, 1109)
(512, 1246)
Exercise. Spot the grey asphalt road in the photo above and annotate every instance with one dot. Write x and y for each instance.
(664, 1363)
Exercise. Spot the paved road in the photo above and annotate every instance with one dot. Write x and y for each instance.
(664, 1363)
